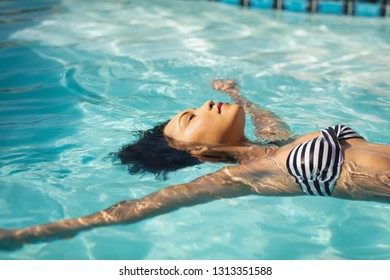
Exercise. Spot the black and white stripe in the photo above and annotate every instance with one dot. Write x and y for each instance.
(316, 164)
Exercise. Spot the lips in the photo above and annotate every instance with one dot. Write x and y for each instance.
(219, 106)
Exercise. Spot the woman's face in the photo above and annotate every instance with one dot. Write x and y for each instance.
(221, 123)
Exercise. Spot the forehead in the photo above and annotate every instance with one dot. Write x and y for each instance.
(173, 126)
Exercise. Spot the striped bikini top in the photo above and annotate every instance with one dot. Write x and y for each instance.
(316, 164)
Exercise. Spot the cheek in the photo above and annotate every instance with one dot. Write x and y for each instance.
(204, 131)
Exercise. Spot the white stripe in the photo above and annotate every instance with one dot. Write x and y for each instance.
(299, 162)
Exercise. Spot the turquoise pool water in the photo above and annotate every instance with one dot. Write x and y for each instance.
(78, 77)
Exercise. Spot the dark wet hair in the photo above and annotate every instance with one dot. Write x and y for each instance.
(151, 153)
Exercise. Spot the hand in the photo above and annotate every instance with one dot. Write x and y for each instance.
(225, 85)
(8, 240)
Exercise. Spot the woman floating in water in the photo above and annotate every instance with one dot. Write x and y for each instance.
(158, 152)
(335, 161)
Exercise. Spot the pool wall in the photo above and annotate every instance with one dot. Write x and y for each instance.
(370, 8)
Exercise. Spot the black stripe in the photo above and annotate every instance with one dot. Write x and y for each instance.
(327, 188)
(328, 157)
(332, 134)
(311, 159)
(295, 158)
(308, 188)
(343, 128)
(320, 155)
(350, 135)
(293, 167)
(338, 129)
(304, 151)
(337, 151)
(346, 131)
(317, 187)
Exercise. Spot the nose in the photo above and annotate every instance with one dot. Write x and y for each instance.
(207, 106)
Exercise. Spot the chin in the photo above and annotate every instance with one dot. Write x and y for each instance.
(235, 110)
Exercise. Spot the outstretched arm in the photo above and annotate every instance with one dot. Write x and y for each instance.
(268, 126)
(202, 190)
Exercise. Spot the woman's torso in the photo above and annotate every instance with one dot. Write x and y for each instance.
(365, 172)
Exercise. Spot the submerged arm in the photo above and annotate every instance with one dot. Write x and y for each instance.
(202, 190)
(268, 126)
